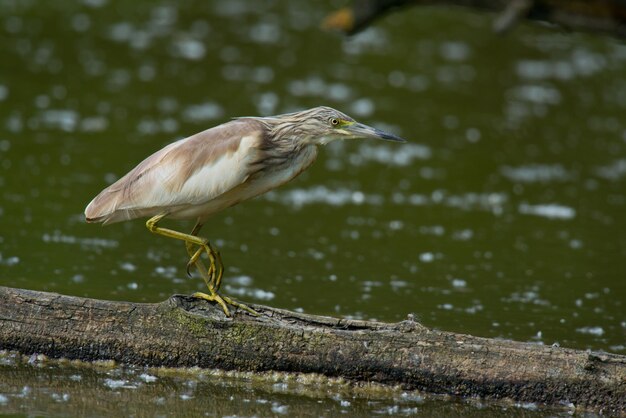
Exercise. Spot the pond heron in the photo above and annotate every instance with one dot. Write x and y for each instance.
(198, 176)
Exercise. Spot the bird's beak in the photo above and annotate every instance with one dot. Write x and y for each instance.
(358, 130)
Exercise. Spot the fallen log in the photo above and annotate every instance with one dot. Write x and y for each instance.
(184, 332)
(600, 16)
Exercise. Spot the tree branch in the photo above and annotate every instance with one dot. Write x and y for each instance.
(183, 332)
(603, 16)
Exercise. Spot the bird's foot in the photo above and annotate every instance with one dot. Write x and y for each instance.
(223, 301)
(240, 306)
(213, 298)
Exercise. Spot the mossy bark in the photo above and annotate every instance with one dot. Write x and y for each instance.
(183, 332)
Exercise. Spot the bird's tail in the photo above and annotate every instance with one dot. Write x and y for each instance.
(102, 208)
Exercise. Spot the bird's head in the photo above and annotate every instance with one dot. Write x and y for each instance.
(322, 125)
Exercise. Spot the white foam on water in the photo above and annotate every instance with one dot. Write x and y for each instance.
(265, 32)
(321, 194)
(536, 94)
(597, 331)
(390, 155)
(530, 297)
(315, 86)
(148, 378)
(127, 266)
(459, 283)
(258, 294)
(536, 173)
(58, 237)
(9, 261)
(117, 384)
(202, 112)
(94, 124)
(550, 211)
(613, 171)
(456, 51)
(4, 92)
(188, 48)
(279, 409)
(63, 119)
(582, 63)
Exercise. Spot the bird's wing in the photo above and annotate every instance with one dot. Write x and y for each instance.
(188, 172)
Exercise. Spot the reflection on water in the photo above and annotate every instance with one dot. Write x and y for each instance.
(503, 216)
(71, 388)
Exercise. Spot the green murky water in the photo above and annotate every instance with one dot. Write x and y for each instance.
(503, 217)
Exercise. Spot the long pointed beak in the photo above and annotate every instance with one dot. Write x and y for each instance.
(360, 130)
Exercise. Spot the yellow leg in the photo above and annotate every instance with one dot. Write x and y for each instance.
(152, 225)
(212, 276)
(207, 275)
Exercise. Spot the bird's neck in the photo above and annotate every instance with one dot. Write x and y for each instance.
(285, 132)
(323, 140)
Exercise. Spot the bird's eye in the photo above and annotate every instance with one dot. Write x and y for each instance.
(334, 121)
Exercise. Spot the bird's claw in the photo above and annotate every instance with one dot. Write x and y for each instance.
(240, 306)
(214, 297)
(223, 301)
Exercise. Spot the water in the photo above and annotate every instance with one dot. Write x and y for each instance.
(103, 390)
(503, 216)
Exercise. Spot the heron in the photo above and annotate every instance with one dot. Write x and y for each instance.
(201, 175)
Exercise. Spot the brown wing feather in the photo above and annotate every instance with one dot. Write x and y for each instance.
(191, 171)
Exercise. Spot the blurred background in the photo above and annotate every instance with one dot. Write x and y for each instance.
(504, 215)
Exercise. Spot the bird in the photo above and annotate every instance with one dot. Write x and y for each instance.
(198, 176)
